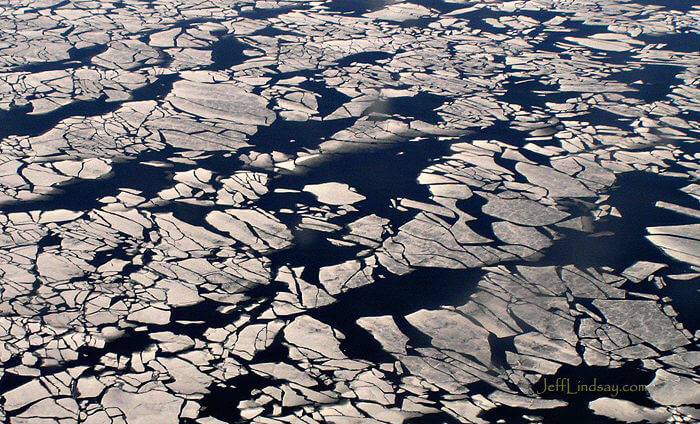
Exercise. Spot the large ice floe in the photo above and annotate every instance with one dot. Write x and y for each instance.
(349, 212)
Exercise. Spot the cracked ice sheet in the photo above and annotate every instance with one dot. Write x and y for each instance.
(220, 101)
(184, 269)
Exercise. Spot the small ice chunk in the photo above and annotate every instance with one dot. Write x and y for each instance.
(626, 411)
(556, 183)
(644, 319)
(334, 193)
(680, 242)
(452, 331)
(524, 236)
(522, 211)
(314, 338)
(150, 315)
(386, 332)
(670, 389)
(58, 215)
(60, 268)
(400, 12)
(641, 270)
(223, 100)
(154, 406)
